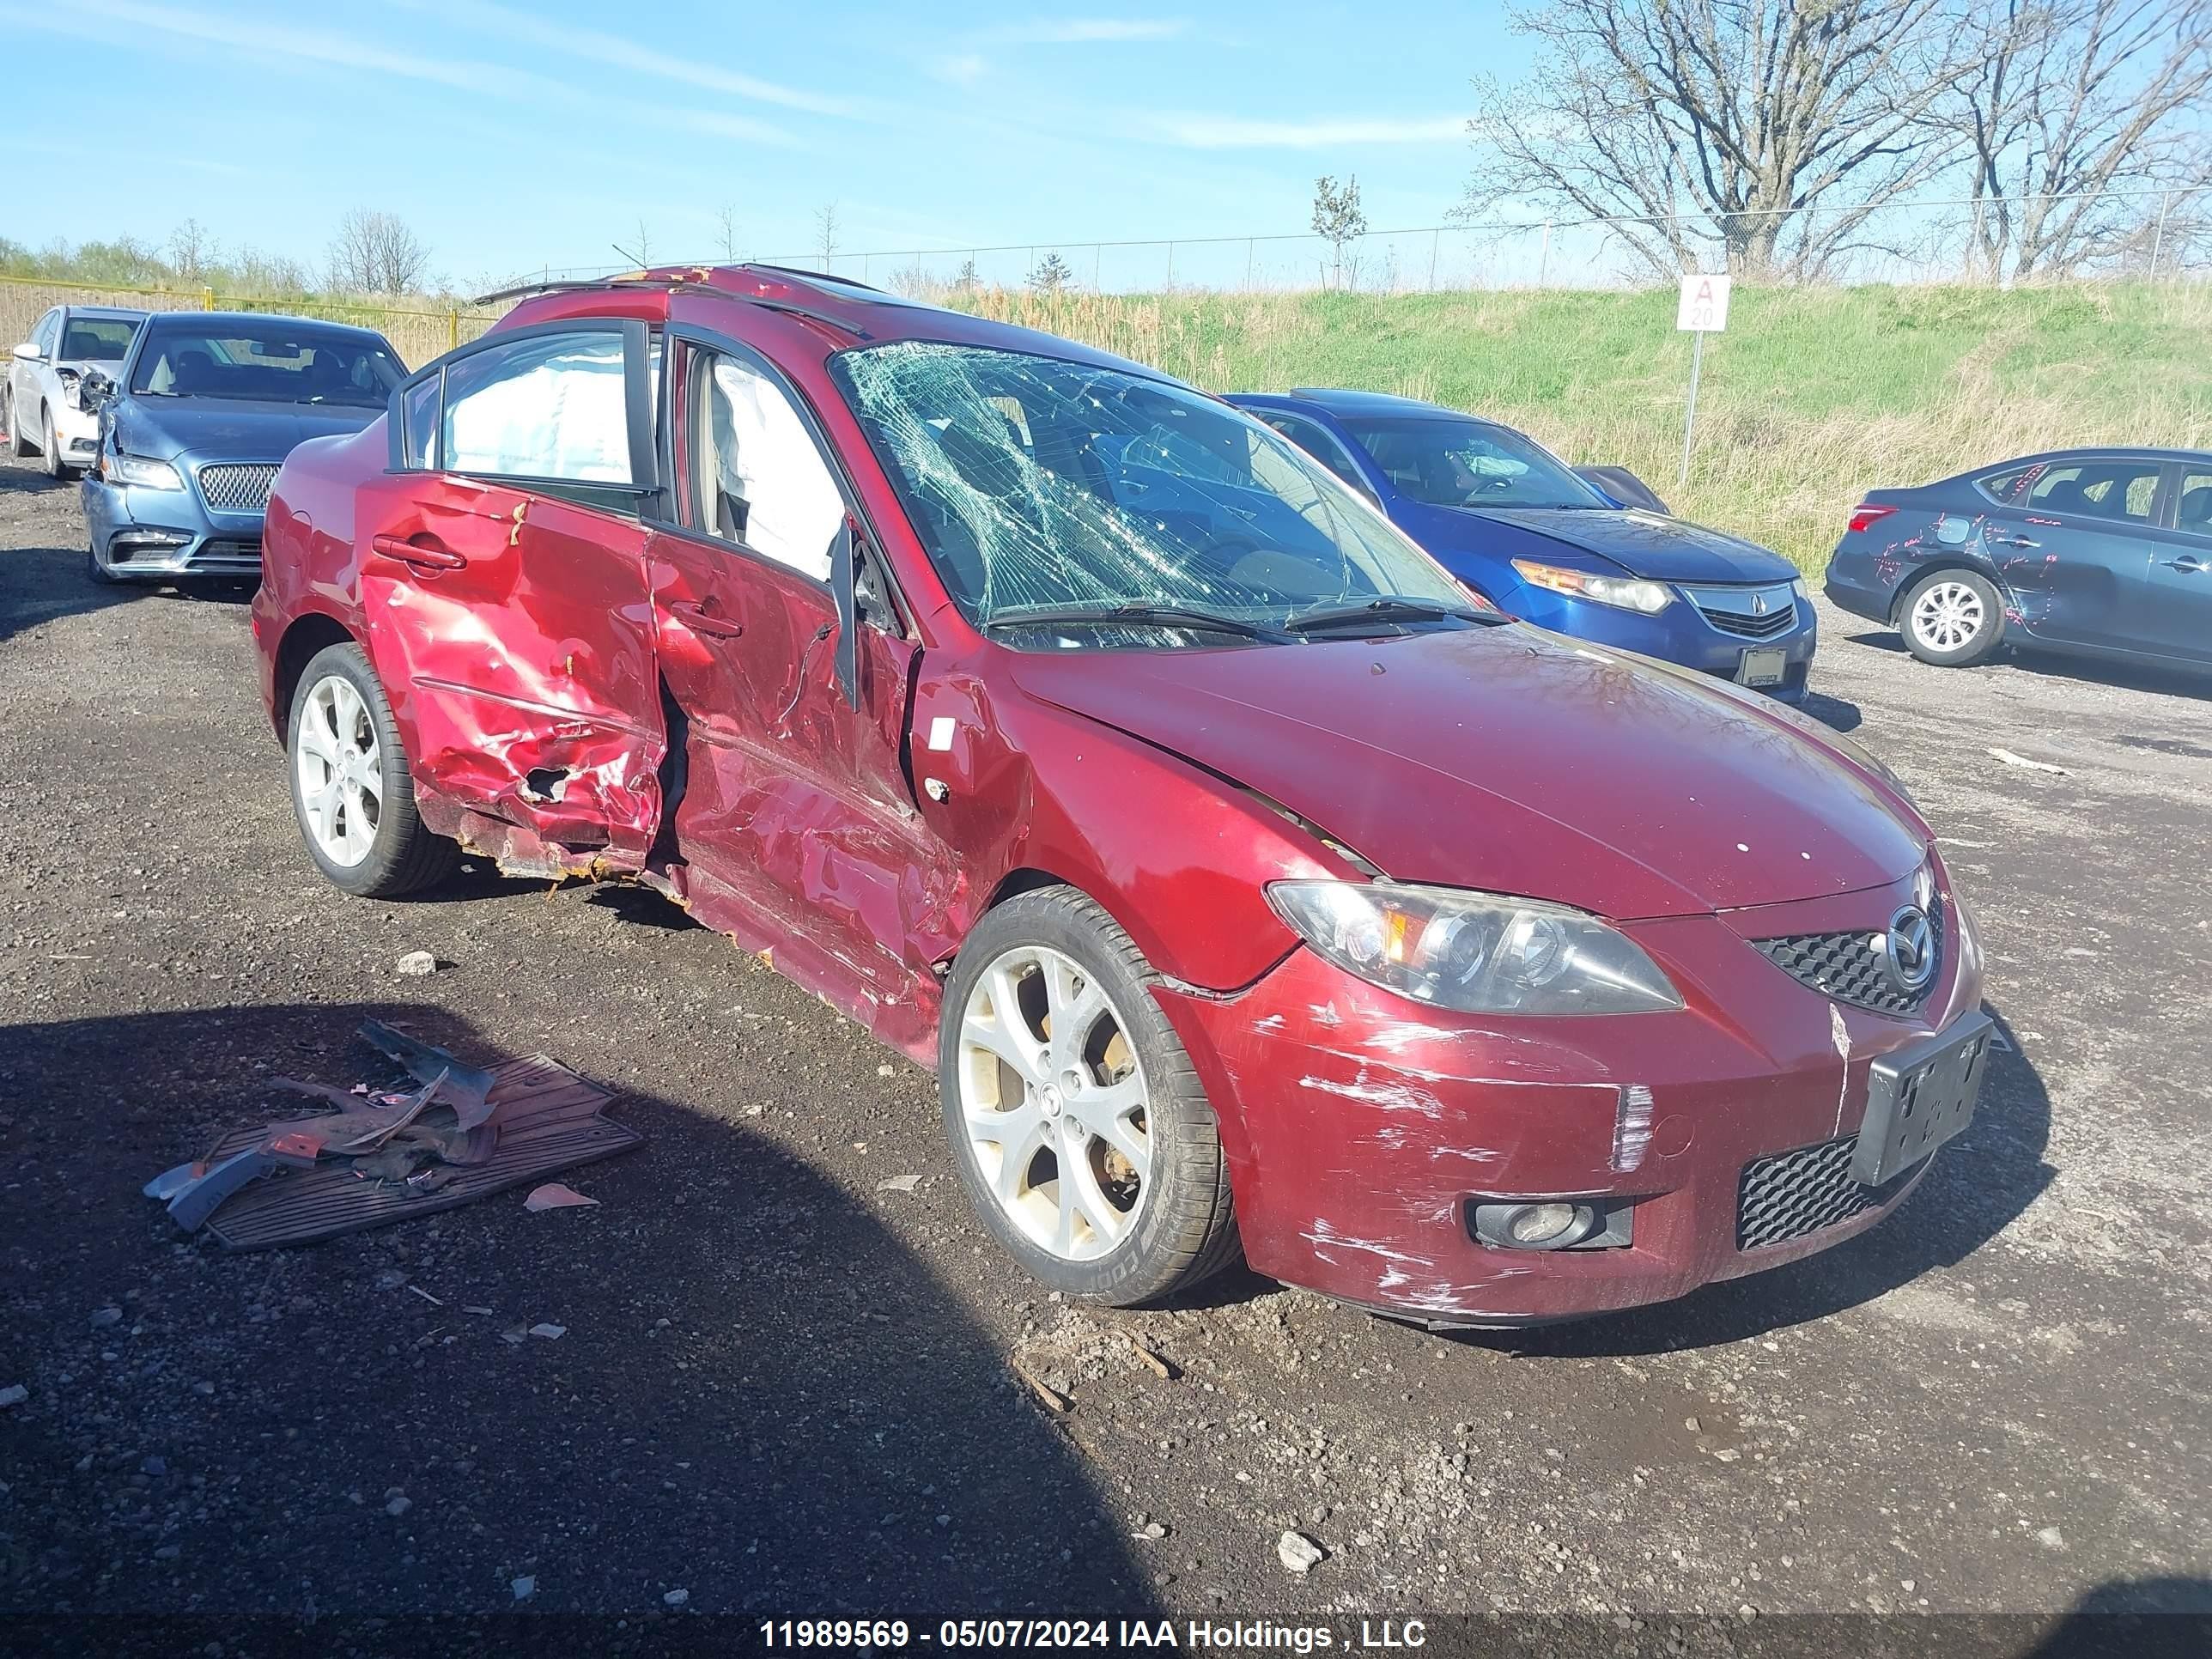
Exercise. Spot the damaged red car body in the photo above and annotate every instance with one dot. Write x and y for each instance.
(1070, 731)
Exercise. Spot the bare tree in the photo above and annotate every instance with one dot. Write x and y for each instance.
(376, 253)
(825, 227)
(1718, 123)
(1340, 221)
(2073, 112)
(191, 251)
(726, 218)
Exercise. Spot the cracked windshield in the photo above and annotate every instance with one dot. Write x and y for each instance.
(1099, 507)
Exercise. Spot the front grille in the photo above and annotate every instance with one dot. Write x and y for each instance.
(1746, 613)
(1791, 1194)
(1848, 968)
(237, 486)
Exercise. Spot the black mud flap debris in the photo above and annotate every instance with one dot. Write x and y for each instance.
(386, 1156)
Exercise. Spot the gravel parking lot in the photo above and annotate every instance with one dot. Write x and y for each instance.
(785, 1389)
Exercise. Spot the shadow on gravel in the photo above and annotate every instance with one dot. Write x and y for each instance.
(2061, 666)
(1977, 1185)
(761, 1398)
(2143, 1617)
(41, 585)
(1837, 714)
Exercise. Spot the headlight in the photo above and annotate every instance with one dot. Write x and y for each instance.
(1478, 953)
(1628, 592)
(67, 380)
(1799, 592)
(144, 473)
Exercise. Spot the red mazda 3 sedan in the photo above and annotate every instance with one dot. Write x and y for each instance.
(1250, 889)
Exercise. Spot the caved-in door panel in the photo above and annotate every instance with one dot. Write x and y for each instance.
(798, 836)
(518, 628)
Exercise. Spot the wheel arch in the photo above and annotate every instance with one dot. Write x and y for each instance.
(310, 633)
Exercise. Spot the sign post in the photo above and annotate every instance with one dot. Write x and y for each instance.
(1702, 310)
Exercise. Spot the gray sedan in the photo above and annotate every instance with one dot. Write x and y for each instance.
(198, 419)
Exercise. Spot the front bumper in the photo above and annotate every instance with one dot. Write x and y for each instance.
(1679, 634)
(1361, 1127)
(77, 433)
(139, 532)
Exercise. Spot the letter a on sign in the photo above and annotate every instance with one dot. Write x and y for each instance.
(1704, 306)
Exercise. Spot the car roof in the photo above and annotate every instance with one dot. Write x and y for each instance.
(115, 314)
(872, 317)
(1342, 401)
(245, 318)
(2099, 452)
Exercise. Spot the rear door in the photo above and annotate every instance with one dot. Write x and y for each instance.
(789, 664)
(2172, 609)
(502, 575)
(2068, 539)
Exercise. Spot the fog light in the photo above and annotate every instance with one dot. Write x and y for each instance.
(1539, 1224)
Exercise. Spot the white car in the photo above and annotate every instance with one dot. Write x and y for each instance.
(40, 405)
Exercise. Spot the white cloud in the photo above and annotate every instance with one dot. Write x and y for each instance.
(961, 68)
(600, 47)
(1234, 132)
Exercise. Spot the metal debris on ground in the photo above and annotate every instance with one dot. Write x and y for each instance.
(2011, 759)
(385, 1154)
(554, 1196)
(905, 1183)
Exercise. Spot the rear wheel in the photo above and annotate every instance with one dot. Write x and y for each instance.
(1953, 618)
(351, 790)
(18, 445)
(1077, 1122)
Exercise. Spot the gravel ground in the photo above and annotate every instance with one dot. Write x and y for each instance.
(785, 1389)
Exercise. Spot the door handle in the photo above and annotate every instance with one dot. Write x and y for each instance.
(2021, 541)
(436, 556)
(699, 620)
(2189, 564)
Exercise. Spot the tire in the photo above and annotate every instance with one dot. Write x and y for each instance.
(1951, 618)
(372, 849)
(51, 452)
(18, 445)
(1055, 949)
(100, 575)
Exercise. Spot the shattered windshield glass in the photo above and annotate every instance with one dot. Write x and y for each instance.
(1058, 491)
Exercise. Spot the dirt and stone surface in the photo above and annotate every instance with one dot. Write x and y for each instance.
(783, 1388)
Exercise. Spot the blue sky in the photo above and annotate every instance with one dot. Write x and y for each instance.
(513, 135)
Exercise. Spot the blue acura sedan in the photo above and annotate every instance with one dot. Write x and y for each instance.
(1519, 526)
(194, 423)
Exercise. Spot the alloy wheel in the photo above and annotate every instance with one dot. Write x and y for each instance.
(1947, 615)
(340, 771)
(1055, 1102)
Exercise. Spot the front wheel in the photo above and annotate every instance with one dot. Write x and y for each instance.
(19, 446)
(51, 459)
(351, 790)
(1953, 618)
(1078, 1125)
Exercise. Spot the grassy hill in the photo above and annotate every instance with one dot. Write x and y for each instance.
(1812, 395)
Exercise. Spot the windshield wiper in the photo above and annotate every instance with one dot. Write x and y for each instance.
(1139, 615)
(1389, 609)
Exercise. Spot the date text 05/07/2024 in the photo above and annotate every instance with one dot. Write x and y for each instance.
(1238, 1636)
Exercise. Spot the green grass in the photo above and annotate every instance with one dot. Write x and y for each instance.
(1813, 394)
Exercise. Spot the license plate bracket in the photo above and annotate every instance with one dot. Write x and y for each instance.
(1763, 665)
(1920, 1096)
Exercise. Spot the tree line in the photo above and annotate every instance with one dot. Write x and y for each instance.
(372, 254)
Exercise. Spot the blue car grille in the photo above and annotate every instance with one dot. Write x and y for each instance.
(232, 487)
(1747, 613)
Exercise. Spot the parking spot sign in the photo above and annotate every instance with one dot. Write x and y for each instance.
(1703, 308)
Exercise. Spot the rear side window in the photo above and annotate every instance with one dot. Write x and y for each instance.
(2118, 489)
(1322, 445)
(545, 406)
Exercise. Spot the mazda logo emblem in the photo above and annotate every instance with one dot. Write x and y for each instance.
(1909, 950)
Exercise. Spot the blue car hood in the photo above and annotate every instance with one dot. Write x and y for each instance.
(161, 427)
(1641, 543)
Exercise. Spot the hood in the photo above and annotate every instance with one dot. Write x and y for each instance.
(161, 428)
(1501, 759)
(1642, 544)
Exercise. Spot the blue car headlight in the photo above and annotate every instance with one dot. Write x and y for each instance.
(142, 472)
(1628, 593)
